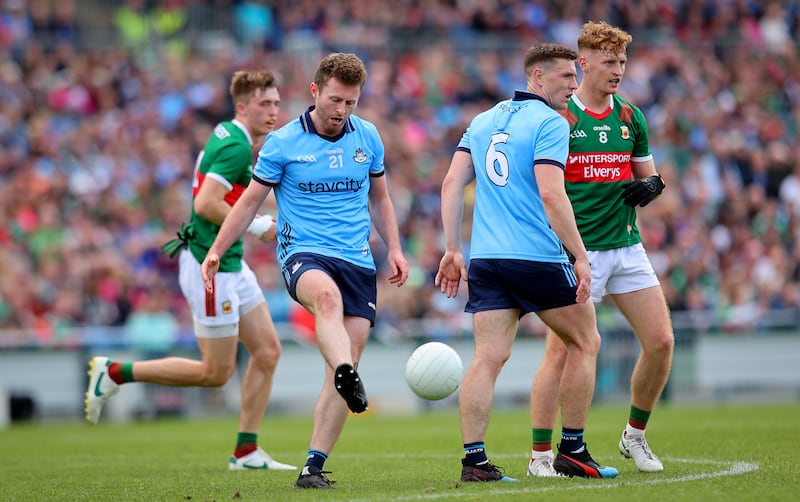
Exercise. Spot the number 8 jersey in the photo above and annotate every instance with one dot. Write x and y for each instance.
(601, 149)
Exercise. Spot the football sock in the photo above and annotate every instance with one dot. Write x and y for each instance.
(638, 418)
(120, 372)
(316, 458)
(246, 442)
(475, 453)
(571, 440)
(542, 440)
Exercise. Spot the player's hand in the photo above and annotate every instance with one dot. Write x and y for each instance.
(452, 268)
(399, 265)
(271, 234)
(263, 227)
(584, 276)
(642, 191)
(209, 269)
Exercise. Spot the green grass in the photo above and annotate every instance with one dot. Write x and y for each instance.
(730, 452)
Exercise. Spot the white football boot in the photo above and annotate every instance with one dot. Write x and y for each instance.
(258, 459)
(636, 447)
(100, 388)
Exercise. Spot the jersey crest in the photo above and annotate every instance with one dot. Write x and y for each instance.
(360, 156)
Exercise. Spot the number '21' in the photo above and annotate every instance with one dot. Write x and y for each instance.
(498, 173)
(335, 162)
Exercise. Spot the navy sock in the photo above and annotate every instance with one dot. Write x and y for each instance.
(475, 453)
(316, 458)
(571, 440)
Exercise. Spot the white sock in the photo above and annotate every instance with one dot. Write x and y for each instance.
(633, 431)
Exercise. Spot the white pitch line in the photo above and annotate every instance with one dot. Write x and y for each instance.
(734, 469)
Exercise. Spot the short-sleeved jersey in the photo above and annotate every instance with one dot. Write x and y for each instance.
(506, 142)
(322, 187)
(227, 158)
(601, 149)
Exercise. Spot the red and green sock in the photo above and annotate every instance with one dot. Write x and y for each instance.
(120, 372)
(638, 418)
(542, 439)
(246, 442)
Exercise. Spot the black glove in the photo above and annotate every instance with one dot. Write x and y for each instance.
(640, 192)
(173, 247)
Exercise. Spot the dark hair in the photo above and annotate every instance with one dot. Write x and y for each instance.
(546, 53)
(345, 67)
(245, 83)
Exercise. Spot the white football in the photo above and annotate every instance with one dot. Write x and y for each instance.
(434, 371)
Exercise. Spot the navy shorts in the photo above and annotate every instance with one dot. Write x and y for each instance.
(530, 286)
(358, 285)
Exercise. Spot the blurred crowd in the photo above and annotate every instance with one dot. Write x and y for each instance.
(104, 107)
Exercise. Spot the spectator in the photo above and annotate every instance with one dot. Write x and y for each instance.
(96, 122)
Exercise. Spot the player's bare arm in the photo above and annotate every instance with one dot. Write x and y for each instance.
(210, 204)
(452, 267)
(235, 224)
(210, 201)
(550, 179)
(385, 221)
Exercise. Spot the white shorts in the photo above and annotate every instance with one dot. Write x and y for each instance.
(622, 270)
(216, 315)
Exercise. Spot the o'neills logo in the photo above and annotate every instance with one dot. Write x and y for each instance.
(626, 133)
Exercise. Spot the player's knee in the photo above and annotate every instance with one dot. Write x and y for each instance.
(590, 346)
(557, 354)
(327, 302)
(660, 345)
(492, 359)
(266, 357)
(216, 377)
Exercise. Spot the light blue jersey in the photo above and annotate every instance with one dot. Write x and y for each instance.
(321, 187)
(505, 143)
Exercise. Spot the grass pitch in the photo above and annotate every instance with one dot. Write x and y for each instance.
(711, 452)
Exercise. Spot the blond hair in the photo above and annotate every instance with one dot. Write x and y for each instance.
(603, 37)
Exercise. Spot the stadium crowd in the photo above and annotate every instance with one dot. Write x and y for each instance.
(105, 105)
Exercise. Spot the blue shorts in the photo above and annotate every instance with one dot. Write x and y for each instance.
(358, 285)
(530, 286)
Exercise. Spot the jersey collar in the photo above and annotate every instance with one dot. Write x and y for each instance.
(524, 96)
(599, 116)
(244, 130)
(308, 124)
